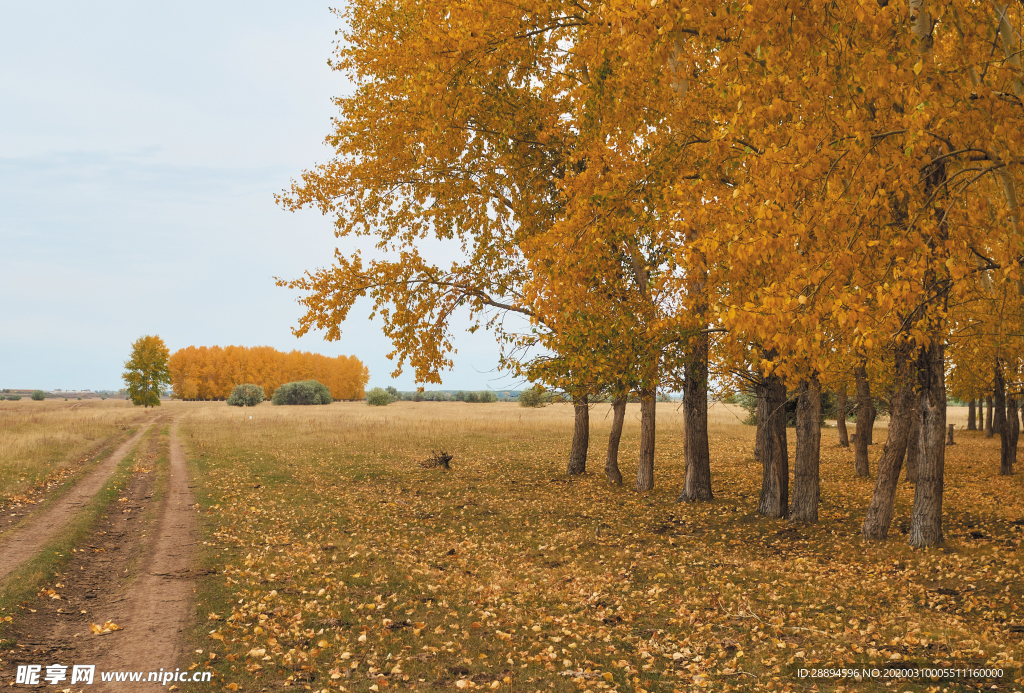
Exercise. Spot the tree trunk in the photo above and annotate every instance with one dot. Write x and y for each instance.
(580, 437)
(883, 500)
(762, 418)
(774, 501)
(971, 426)
(697, 486)
(926, 519)
(865, 421)
(645, 470)
(844, 437)
(806, 486)
(611, 465)
(999, 409)
(1007, 461)
(914, 441)
(949, 437)
(989, 431)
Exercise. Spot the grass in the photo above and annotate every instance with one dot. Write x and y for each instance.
(47, 565)
(44, 444)
(342, 564)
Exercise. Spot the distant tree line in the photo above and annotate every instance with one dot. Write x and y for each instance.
(211, 373)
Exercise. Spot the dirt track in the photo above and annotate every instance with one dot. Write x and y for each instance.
(24, 542)
(133, 570)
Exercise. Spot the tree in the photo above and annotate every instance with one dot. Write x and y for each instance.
(146, 372)
(38, 395)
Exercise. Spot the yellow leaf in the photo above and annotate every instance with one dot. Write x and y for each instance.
(918, 67)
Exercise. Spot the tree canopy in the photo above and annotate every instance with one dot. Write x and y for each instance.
(146, 372)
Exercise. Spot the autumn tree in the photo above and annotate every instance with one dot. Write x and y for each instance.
(146, 372)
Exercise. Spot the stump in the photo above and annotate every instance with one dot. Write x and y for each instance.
(949, 436)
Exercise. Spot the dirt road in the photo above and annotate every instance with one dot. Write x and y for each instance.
(26, 541)
(134, 570)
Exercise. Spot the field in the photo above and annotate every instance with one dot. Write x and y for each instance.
(340, 563)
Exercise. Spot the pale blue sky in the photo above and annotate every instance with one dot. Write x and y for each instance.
(141, 145)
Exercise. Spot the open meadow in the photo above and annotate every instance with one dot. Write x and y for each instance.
(338, 562)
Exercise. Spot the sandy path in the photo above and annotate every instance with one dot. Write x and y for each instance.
(26, 541)
(157, 605)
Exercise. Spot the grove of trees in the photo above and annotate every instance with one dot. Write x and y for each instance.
(783, 198)
(210, 373)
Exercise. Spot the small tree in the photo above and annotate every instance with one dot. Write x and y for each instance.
(302, 392)
(146, 371)
(534, 397)
(37, 395)
(393, 391)
(378, 397)
(246, 395)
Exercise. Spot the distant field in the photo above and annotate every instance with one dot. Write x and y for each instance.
(41, 443)
(341, 563)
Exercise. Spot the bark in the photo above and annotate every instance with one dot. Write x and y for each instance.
(999, 419)
(762, 418)
(989, 431)
(611, 465)
(901, 424)
(806, 484)
(844, 437)
(926, 519)
(774, 501)
(697, 486)
(914, 441)
(999, 406)
(949, 436)
(865, 422)
(1007, 461)
(645, 470)
(580, 437)
(971, 425)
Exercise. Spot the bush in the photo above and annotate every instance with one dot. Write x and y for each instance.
(14, 398)
(534, 397)
(38, 395)
(302, 392)
(379, 397)
(246, 395)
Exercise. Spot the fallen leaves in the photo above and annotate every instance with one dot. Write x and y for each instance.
(107, 627)
(493, 575)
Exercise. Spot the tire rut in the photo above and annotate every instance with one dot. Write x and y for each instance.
(137, 575)
(25, 542)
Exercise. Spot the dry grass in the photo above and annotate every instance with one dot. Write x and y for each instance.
(342, 564)
(42, 443)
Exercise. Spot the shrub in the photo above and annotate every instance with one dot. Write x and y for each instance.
(246, 395)
(379, 397)
(391, 390)
(38, 395)
(534, 397)
(302, 392)
(14, 398)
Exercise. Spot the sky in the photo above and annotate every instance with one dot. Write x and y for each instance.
(141, 145)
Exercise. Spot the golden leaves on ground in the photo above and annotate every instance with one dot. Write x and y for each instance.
(107, 627)
(345, 567)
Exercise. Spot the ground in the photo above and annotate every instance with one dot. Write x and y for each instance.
(331, 559)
